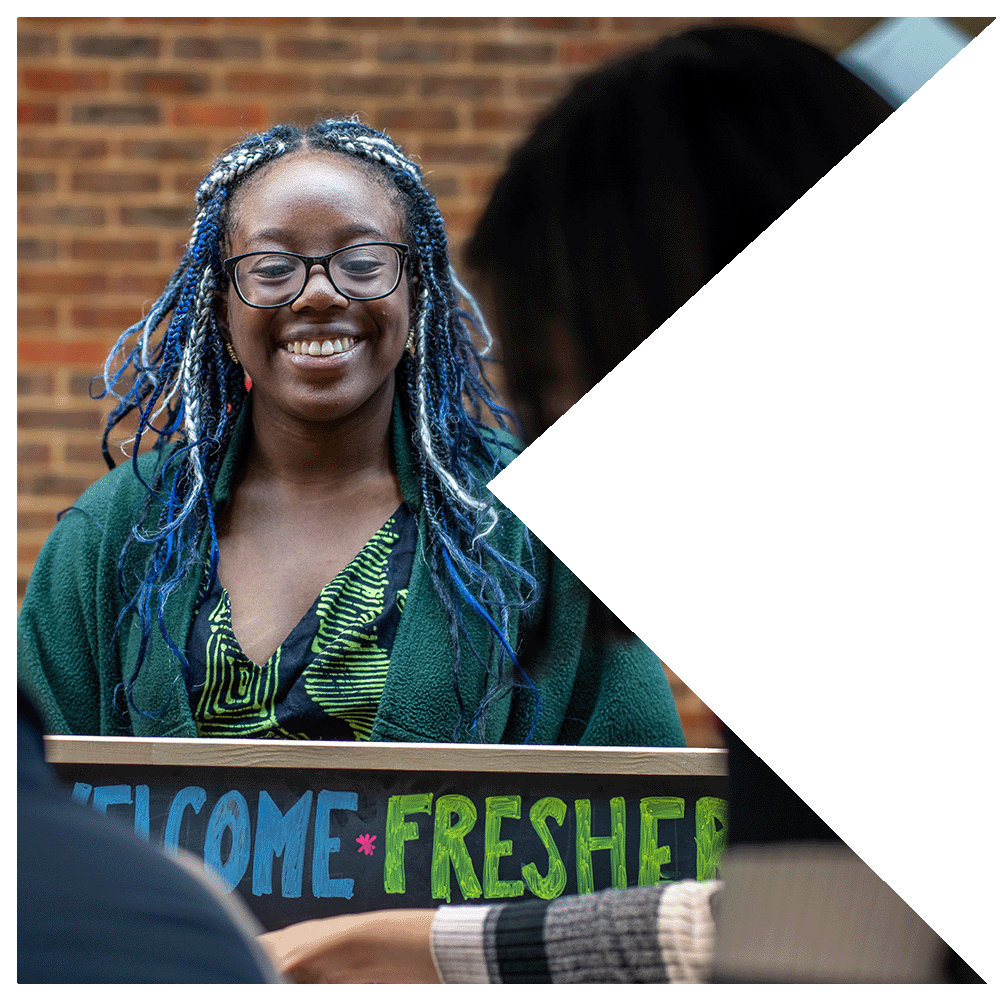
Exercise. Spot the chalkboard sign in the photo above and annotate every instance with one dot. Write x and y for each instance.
(304, 830)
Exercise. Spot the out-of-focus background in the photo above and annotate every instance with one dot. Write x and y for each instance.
(119, 119)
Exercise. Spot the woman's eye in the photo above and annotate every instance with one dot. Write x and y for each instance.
(272, 268)
(361, 265)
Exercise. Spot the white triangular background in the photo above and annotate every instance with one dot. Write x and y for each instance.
(791, 493)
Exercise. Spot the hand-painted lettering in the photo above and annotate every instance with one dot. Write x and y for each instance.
(323, 886)
(142, 811)
(555, 880)
(192, 796)
(398, 830)
(498, 807)
(255, 846)
(231, 813)
(449, 850)
(711, 824)
(280, 835)
(111, 795)
(587, 844)
(653, 856)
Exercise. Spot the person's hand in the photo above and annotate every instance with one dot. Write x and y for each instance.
(387, 946)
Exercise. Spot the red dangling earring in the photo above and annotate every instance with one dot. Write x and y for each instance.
(247, 382)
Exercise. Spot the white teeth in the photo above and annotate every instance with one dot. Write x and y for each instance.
(324, 348)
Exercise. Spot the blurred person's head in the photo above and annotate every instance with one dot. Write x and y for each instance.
(643, 183)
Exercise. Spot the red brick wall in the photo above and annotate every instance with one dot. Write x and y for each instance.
(119, 118)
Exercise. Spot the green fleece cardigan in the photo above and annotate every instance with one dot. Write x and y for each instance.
(70, 662)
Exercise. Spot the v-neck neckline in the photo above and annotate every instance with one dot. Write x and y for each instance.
(305, 620)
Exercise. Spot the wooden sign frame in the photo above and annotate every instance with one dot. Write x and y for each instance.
(437, 822)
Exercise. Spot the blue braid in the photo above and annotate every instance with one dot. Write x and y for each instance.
(185, 385)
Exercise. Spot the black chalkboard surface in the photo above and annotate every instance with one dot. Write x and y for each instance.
(304, 830)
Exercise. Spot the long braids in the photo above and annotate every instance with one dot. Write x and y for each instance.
(186, 385)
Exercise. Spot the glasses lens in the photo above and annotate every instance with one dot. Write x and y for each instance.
(270, 279)
(366, 272)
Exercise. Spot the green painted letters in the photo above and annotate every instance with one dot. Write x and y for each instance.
(450, 850)
(586, 845)
(497, 807)
(397, 831)
(652, 857)
(553, 883)
(710, 825)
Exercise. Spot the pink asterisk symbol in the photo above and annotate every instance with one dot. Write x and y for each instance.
(367, 842)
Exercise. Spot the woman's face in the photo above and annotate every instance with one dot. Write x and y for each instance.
(313, 203)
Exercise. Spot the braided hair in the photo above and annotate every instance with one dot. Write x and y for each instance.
(186, 389)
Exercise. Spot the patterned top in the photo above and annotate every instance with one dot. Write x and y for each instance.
(325, 680)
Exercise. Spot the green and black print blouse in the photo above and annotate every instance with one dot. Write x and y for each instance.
(325, 680)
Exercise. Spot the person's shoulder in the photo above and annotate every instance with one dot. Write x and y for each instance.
(115, 500)
(125, 481)
(118, 880)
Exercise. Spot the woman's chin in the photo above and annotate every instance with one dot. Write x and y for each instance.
(312, 406)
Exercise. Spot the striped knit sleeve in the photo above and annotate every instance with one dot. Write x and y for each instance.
(656, 934)
(458, 943)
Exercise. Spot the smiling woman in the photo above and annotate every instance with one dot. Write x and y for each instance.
(310, 549)
(317, 205)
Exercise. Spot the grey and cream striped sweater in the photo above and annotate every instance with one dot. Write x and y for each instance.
(657, 934)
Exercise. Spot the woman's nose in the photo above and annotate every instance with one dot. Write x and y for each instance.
(319, 291)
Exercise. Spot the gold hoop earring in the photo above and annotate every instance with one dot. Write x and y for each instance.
(411, 341)
(232, 353)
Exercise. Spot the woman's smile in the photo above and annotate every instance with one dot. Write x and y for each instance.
(324, 348)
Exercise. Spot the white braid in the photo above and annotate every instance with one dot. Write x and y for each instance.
(167, 397)
(423, 422)
(490, 508)
(494, 521)
(191, 411)
(230, 166)
(193, 352)
(476, 311)
(234, 164)
(380, 149)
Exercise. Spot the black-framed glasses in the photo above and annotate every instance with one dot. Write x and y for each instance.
(267, 279)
